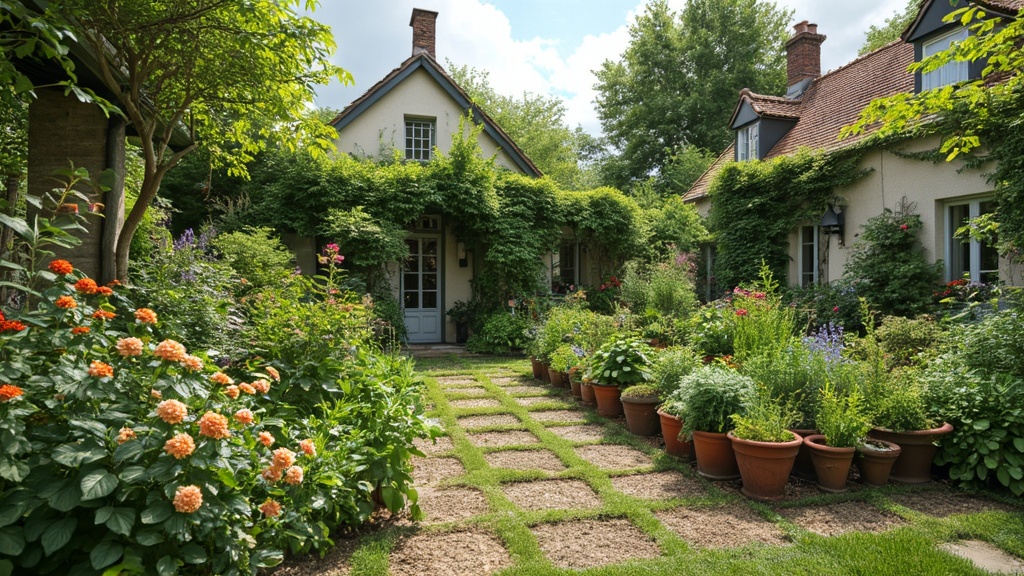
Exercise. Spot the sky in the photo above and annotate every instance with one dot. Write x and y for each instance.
(541, 46)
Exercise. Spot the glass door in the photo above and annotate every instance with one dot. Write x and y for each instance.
(421, 294)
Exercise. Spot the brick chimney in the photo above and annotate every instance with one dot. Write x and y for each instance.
(803, 58)
(423, 26)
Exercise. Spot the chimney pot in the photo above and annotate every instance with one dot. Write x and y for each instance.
(423, 24)
(803, 56)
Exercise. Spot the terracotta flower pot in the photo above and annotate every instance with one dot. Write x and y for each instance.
(587, 394)
(765, 466)
(715, 457)
(545, 375)
(917, 450)
(574, 385)
(538, 368)
(557, 378)
(804, 467)
(875, 463)
(831, 465)
(608, 403)
(671, 426)
(641, 415)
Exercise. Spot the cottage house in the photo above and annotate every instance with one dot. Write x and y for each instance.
(416, 109)
(817, 106)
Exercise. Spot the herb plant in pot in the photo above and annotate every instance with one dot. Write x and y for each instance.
(708, 396)
(615, 365)
(901, 417)
(562, 360)
(670, 366)
(843, 424)
(765, 446)
(640, 405)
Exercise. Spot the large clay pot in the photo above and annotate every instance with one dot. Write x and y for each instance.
(587, 394)
(608, 403)
(917, 450)
(831, 465)
(875, 459)
(557, 378)
(545, 374)
(538, 368)
(574, 385)
(641, 415)
(715, 457)
(765, 466)
(804, 467)
(671, 426)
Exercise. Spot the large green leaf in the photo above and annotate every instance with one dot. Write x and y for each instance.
(157, 512)
(58, 534)
(167, 566)
(97, 484)
(192, 553)
(121, 521)
(66, 498)
(12, 541)
(106, 553)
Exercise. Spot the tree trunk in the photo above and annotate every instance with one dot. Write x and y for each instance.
(113, 209)
(150, 185)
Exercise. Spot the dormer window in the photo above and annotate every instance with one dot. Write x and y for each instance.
(746, 143)
(419, 138)
(950, 73)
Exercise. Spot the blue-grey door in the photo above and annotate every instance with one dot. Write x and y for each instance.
(421, 289)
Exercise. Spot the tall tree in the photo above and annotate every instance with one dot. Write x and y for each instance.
(536, 123)
(233, 75)
(677, 82)
(878, 36)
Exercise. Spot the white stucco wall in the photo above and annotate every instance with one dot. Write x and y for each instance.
(381, 127)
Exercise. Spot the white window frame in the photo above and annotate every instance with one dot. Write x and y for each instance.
(555, 271)
(950, 73)
(974, 270)
(420, 138)
(747, 142)
(801, 262)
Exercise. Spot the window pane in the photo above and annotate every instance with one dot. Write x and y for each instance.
(412, 300)
(430, 263)
(430, 247)
(430, 299)
(411, 281)
(429, 282)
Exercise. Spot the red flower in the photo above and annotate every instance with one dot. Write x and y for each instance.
(741, 312)
(9, 392)
(903, 227)
(835, 308)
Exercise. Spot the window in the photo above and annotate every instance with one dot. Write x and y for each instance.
(746, 143)
(563, 267)
(808, 256)
(419, 139)
(975, 260)
(950, 73)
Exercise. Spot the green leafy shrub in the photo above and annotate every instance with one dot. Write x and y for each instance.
(842, 418)
(255, 255)
(620, 362)
(640, 391)
(835, 303)
(901, 406)
(564, 358)
(908, 341)
(765, 418)
(762, 322)
(709, 396)
(711, 329)
(794, 375)
(501, 333)
(670, 366)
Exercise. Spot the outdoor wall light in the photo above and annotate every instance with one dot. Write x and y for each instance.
(461, 249)
(833, 222)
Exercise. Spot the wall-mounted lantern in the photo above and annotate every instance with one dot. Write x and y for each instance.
(463, 259)
(833, 222)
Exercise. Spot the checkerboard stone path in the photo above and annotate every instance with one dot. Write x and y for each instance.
(552, 455)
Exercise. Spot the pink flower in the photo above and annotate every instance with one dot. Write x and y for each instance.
(903, 227)
(741, 312)
(835, 308)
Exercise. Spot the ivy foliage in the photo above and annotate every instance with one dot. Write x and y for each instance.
(757, 204)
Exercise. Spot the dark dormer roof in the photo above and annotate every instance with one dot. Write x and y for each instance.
(924, 14)
(430, 66)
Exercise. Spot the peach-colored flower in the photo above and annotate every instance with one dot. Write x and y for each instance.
(270, 508)
(267, 438)
(125, 434)
(271, 474)
(77, 330)
(193, 363)
(188, 499)
(66, 302)
(100, 370)
(104, 315)
(153, 392)
(214, 425)
(145, 316)
(61, 267)
(244, 416)
(170, 350)
(85, 286)
(293, 475)
(172, 411)
(129, 347)
(283, 458)
(104, 291)
(247, 388)
(9, 392)
(307, 446)
(273, 373)
(180, 446)
(262, 386)
(231, 391)
(221, 378)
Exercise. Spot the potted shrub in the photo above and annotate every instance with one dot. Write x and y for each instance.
(533, 350)
(563, 359)
(901, 417)
(843, 424)
(708, 397)
(587, 392)
(615, 365)
(764, 444)
(640, 405)
(670, 366)
(463, 314)
(875, 459)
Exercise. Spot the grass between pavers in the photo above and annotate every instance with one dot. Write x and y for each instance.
(910, 548)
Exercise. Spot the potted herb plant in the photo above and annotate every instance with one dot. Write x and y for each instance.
(615, 365)
(843, 424)
(640, 405)
(764, 444)
(563, 359)
(708, 397)
(901, 417)
(670, 366)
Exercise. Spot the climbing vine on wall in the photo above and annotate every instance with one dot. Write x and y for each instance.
(757, 204)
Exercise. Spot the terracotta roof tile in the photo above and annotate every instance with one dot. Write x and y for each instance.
(772, 106)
